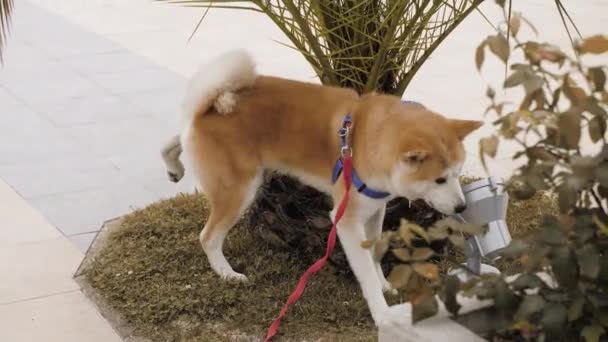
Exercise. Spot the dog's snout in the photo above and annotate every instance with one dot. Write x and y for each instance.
(460, 208)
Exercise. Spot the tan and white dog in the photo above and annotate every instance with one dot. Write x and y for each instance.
(237, 124)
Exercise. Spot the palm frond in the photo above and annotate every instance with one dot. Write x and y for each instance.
(6, 8)
(367, 45)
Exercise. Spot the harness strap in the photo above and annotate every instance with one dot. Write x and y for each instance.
(357, 182)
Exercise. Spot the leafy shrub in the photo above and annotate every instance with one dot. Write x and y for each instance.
(559, 128)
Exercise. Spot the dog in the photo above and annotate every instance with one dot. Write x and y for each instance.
(237, 124)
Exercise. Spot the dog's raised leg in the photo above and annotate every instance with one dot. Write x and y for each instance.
(351, 232)
(170, 153)
(227, 203)
(373, 230)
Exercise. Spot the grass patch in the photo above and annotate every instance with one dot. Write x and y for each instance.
(154, 273)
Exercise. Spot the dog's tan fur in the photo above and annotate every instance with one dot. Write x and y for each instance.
(290, 126)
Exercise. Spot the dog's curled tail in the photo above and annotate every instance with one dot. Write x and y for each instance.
(214, 84)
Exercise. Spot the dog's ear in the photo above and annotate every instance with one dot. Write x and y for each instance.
(462, 128)
(415, 157)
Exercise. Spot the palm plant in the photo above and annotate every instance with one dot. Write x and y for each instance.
(367, 45)
(6, 8)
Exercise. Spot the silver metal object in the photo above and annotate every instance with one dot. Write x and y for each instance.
(487, 204)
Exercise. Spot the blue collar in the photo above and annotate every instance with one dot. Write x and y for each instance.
(357, 182)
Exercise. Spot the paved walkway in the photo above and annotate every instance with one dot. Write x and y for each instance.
(83, 120)
(90, 90)
(39, 300)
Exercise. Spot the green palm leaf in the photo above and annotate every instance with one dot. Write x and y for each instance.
(367, 45)
(6, 8)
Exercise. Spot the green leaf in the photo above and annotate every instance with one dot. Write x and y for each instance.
(520, 188)
(483, 321)
(514, 249)
(480, 55)
(593, 107)
(515, 79)
(594, 45)
(449, 290)
(564, 266)
(569, 124)
(601, 174)
(589, 261)
(598, 77)
(554, 319)
(567, 197)
(400, 276)
(506, 300)
(490, 93)
(592, 333)
(576, 308)
(597, 128)
(530, 305)
(424, 307)
(602, 317)
(499, 46)
(527, 281)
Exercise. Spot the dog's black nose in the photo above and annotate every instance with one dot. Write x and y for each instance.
(460, 208)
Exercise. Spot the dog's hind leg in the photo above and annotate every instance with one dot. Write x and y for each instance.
(373, 230)
(228, 198)
(170, 153)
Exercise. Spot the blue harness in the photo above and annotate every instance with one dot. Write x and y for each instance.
(357, 182)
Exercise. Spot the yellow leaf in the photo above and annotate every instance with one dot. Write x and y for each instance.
(419, 231)
(601, 225)
(515, 24)
(400, 276)
(380, 249)
(489, 146)
(427, 270)
(367, 244)
(405, 233)
(480, 55)
(422, 254)
(402, 254)
(595, 45)
(499, 46)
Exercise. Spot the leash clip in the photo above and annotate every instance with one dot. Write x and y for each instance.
(346, 151)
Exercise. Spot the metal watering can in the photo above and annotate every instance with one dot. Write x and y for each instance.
(487, 204)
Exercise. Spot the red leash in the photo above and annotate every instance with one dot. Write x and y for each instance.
(331, 242)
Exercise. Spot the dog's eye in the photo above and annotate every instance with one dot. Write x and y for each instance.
(440, 180)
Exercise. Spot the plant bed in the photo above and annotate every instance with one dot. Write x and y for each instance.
(149, 274)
